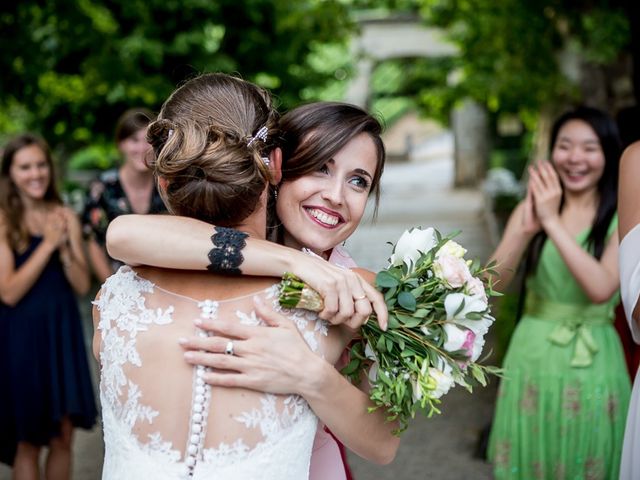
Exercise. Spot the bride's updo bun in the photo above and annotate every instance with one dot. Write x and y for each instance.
(207, 150)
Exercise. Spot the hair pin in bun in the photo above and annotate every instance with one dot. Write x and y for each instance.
(260, 134)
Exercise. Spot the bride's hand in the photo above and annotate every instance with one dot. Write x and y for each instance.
(273, 359)
(348, 298)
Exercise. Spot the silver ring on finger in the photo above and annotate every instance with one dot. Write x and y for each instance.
(228, 350)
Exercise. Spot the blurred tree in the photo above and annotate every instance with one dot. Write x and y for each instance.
(522, 60)
(70, 68)
(516, 56)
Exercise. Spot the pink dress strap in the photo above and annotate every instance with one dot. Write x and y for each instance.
(341, 257)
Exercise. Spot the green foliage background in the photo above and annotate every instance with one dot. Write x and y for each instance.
(511, 52)
(70, 68)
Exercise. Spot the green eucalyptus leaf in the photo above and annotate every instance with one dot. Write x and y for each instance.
(460, 308)
(407, 352)
(409, 321)
(389, 343)
(352, 367)
(393, 322)
(407, 301)
(386, 280)
(390, 293)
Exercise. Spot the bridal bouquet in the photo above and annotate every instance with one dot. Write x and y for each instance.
(438, 316)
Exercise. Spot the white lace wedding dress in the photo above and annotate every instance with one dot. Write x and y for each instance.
(161, 421)
(630, 290)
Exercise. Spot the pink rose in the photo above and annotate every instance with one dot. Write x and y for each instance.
(453, 270)
(469, 343)
(459, 339)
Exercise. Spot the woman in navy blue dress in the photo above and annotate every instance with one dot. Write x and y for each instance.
(44, 372)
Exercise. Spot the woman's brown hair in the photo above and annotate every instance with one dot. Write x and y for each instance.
(207, 148)
(10, 201)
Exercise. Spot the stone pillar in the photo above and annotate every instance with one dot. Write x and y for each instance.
(471, 139)
(358, 91)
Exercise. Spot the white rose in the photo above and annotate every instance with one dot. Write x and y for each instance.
(416, 389)
(476, 288)
(478, 345)
(452, 270)
(453, 249)
(373, 372)
(472, 303)
(411, 245)
(369, 353)
(443, 382)
(456, 337)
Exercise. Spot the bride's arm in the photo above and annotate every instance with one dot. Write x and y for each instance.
(629, 204)
(185, 243)
(628, 190)
(277, 360)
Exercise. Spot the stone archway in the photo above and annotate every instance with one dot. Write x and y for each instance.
(402, 37)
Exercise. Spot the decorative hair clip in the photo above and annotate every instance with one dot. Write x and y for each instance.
(261, 134)
(170, 133)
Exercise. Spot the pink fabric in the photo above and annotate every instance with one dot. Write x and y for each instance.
(340, 257)
(326, 460)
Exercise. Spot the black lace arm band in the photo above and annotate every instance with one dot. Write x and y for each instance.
(226, 254)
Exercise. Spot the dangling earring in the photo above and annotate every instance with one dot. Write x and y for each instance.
(275, 192)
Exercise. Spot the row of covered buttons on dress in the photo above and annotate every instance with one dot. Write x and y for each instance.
(200, 399)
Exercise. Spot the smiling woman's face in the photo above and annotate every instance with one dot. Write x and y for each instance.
(322, 209)
(30, 172)
(578, 156)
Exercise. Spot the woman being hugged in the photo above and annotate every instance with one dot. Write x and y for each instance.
(332, 161)
(562, 403)
(44, 363)
(215, 157)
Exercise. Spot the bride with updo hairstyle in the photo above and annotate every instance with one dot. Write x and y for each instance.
(215, 156)
(213, 171)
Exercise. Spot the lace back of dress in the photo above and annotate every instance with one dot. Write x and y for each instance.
(159, 410)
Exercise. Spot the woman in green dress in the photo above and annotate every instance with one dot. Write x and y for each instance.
(562, 404)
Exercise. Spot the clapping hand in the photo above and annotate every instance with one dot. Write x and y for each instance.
(55, 229)
(530, 222)
(546, 190)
